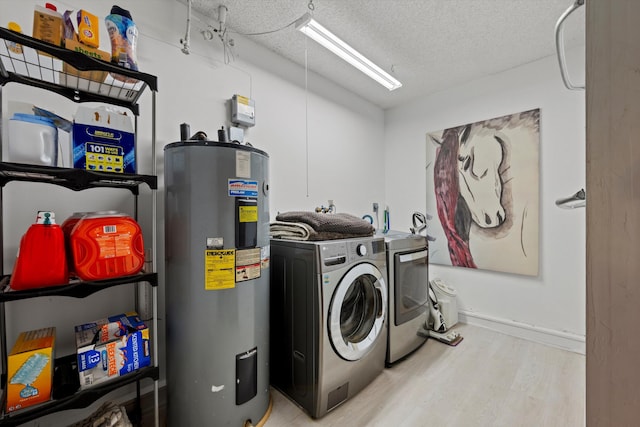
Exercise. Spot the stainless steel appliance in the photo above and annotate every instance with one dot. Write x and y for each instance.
(408, 272)
(328, 319)
(216, 283)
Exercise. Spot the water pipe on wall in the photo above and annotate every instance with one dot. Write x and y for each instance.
(560, 46)
(185, 41)
(330, 209)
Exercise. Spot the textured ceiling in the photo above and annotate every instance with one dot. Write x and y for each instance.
(429, 45)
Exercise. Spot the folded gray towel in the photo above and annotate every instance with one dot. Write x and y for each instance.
(290, 230)
(343, 223)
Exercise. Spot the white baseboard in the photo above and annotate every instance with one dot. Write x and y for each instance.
(561, 339)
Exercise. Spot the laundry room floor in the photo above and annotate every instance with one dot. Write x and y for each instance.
(489, 379)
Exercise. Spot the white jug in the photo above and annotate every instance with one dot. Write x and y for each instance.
(33, 139)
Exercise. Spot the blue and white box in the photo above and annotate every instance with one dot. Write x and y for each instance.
(103, 140)
(112, 347)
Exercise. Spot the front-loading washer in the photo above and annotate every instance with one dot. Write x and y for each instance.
(408, 282)
(328, 333)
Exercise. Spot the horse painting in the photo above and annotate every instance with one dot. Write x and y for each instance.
(473, 188)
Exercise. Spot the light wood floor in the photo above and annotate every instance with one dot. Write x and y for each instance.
(489, 379)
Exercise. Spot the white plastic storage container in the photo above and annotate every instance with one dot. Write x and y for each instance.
(33, 139)
(447, 301)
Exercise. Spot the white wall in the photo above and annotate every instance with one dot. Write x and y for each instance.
(344, 139)
(549, 307)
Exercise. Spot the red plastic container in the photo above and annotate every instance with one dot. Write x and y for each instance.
(106, 246)
(67, 227)
(41, 259)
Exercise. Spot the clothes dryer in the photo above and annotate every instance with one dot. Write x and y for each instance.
(408, 273)
(328, 319)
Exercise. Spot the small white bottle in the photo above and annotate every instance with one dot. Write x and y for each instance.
(13, 46)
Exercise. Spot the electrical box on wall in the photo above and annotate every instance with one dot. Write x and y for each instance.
(243, 111)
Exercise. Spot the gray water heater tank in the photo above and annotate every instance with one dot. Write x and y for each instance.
(216, 283)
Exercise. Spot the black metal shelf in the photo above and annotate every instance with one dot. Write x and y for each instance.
(74, 179)
(49, 72)
(77, 400)
(74, 289)
(79, 78)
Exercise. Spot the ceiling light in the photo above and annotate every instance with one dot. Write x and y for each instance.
(311, 28)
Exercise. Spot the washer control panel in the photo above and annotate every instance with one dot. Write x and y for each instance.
(337, 253)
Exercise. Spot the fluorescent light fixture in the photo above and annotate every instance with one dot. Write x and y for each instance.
(311, 28)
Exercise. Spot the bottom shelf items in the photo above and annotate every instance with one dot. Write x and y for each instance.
(66, 393)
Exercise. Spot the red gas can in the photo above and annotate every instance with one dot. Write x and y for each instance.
(41, 257)
(106, 246)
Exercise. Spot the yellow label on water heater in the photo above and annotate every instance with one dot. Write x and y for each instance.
(219, 269)
(248, 213)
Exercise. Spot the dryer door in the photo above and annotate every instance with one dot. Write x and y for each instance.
(357, 311)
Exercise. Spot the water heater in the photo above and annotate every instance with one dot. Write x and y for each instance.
(216, 283)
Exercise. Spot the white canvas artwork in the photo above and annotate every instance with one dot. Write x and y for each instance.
(482, 191)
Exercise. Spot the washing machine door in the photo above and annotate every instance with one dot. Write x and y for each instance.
(357, 311)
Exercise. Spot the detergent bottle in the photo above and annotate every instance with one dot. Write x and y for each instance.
(41, 257)
(106, 245)
(67, 228)
(123, 33)
(48, 24)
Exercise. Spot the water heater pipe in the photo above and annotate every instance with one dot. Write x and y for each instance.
(185, 41)
(222, 16)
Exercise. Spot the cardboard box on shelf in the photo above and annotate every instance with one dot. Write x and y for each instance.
(103, 140)
(100, 361)
(88, 28)
(76, 46)
(108, 329)
(30, 369)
